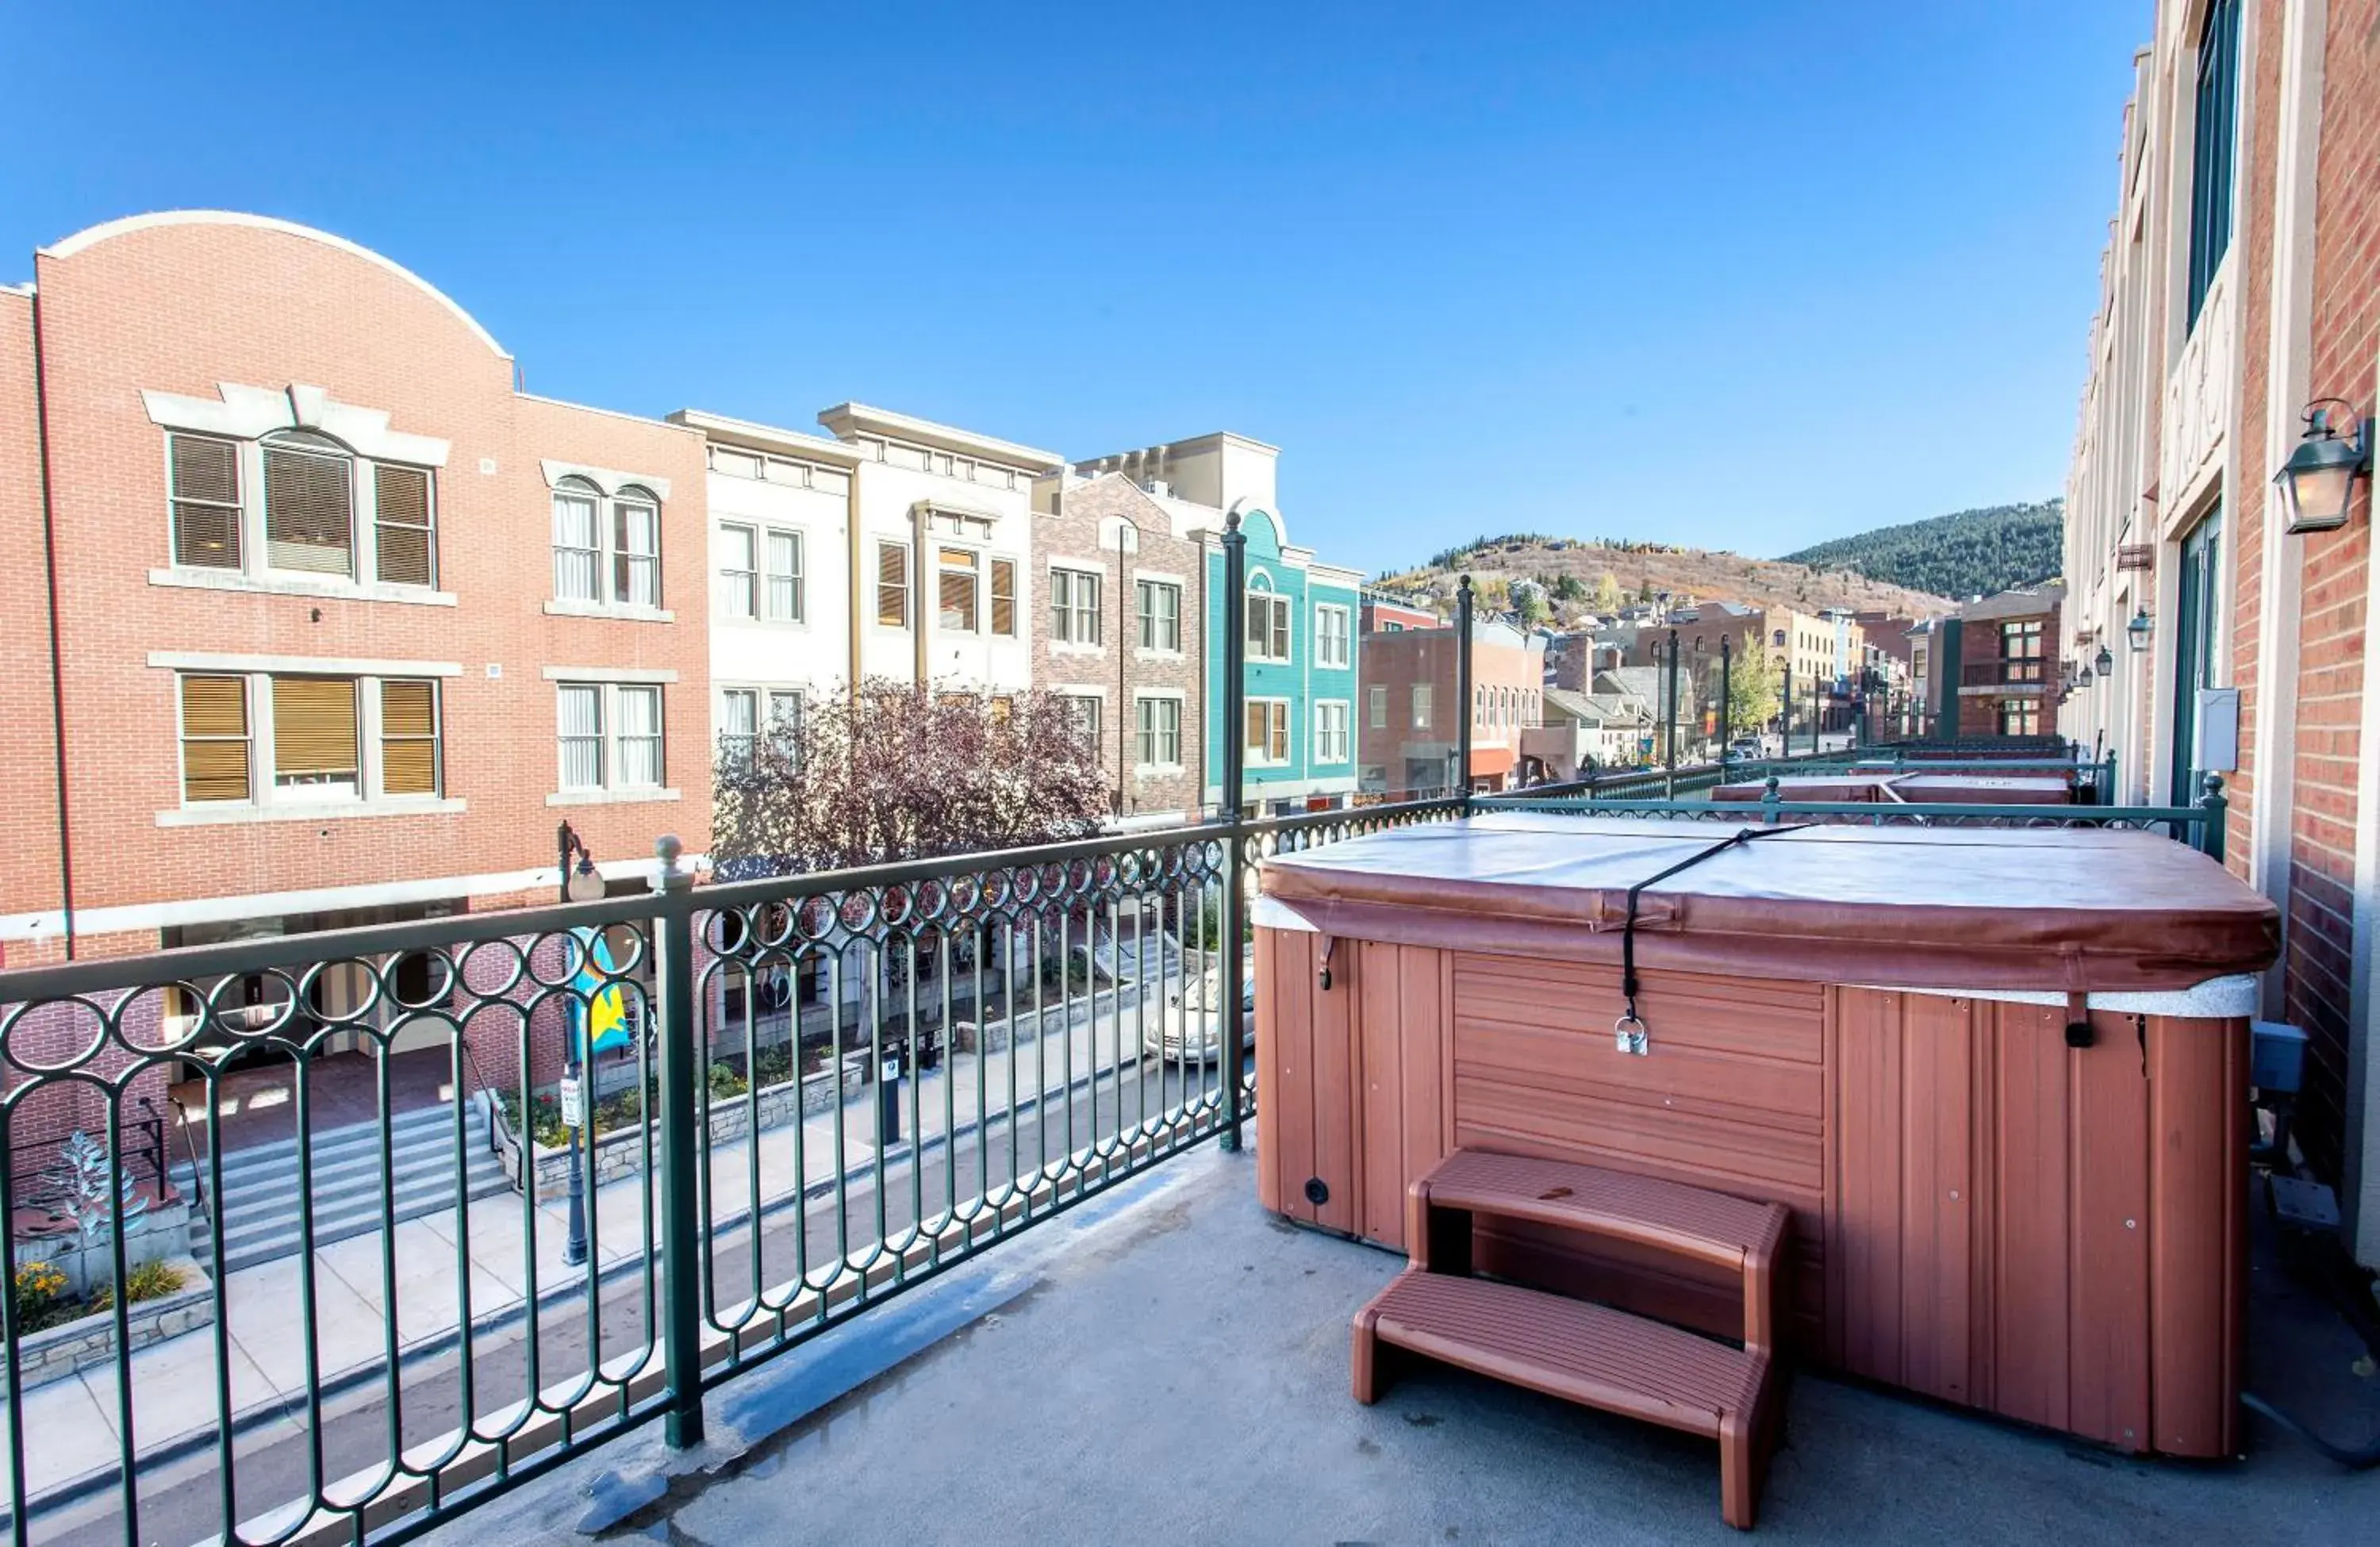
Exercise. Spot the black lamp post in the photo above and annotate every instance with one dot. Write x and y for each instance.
(579, 884)
(2318, 480)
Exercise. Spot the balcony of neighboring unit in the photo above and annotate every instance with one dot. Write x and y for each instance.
(2016, 675)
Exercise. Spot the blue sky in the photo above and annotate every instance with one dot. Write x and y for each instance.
(1743, 275)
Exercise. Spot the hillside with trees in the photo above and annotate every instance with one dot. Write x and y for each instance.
(1967, 553)
(1557, 579)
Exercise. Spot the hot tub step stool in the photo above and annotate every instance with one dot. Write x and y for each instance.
(1584, 1353)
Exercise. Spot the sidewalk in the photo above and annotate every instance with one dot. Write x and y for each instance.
(178, 1388)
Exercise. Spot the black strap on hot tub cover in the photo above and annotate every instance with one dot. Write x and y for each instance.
(1628, 931)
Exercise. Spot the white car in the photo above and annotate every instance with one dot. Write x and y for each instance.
(1186, 1028)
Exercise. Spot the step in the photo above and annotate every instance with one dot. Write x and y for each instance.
(348, 1216)
(249, 1250)
(349, 1135)
(409, 1178)
(334, 1168)
(1580, 1352)
(1670, 1216)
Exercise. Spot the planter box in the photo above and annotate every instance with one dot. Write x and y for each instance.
(54, 1354)
(160, 1235)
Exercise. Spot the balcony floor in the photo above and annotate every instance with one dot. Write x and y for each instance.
(1171, 1365)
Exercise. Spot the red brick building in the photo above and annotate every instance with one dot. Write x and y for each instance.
(2240, 291)
(343, 622)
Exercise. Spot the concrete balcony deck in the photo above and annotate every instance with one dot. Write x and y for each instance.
(1169, 1364)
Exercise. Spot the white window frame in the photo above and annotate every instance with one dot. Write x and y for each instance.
(267, 798)
(1327, 711)
(1152, 641)
(612, 741)
(977, 574)
(1280, 618)
(1378, 703)
(1286, 736)
(615, 561)
(739, 584)
(1152, 738)
(1424, 704)
(1325, 638)
(1073, 624)
(1094, 706)
(794, 579)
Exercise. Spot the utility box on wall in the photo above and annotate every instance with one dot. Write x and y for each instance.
(2217, 745)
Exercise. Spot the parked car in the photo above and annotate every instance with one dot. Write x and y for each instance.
(1188, 1029)
(1744, 749)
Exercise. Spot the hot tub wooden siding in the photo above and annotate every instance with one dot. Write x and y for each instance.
(1981, 1213)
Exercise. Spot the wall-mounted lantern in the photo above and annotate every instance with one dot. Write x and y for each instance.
(2319, 478)
(2138, 631)
(2106, 662)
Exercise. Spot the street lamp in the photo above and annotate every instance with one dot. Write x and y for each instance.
(2319, 478)
(2137, 631)
(580, 883)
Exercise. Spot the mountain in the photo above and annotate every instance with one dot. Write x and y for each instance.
(1570, 570)
(1967, 553)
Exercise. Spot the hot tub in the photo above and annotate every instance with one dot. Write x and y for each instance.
(1887, 787)
(1869, 1025)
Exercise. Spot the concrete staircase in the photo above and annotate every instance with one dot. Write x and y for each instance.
(256, 1217)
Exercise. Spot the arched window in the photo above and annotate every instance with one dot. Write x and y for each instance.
(310, 504)
(637, 548)
(578, 542)
(2212, 139)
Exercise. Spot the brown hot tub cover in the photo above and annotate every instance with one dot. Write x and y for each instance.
(2064, 909)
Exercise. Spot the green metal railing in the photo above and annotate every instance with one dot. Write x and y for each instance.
(729, 1222)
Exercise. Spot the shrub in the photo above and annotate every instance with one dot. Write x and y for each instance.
(149, 1280)
(726, 1082)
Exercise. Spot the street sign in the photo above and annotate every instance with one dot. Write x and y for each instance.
(574, 1102)
(891, 1069)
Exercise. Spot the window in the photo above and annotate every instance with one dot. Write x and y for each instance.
(2020, 716)
(1421, 705)
(1160, 732)
(959, 569)
(409, 759)
(739, 724)
(310, 495)
(580, 714)
(405, 549)
(314, 741)
(1003, 598)
(640, 719)
(788, 595)
(785, 713)
(214, 738)
(739, 572)
(1379, 697)
(1086, 710)
(892, 585)
(204, 493)
(577, 554)
(637, 555)
(2212, 148)
(583, 537)
(1330, 732)
(1073, 608)
(1267, 627)
(2021, 652)
(1161, 615)
(1331, 636)
(1268, 731)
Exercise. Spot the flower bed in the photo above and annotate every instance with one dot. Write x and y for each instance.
(60, 1334)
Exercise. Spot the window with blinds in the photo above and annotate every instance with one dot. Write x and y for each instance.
(959, 572)
(310, 489)
(1003, 597)
(638, 715)
(214, 740)
(405, 551)
(314, 741)
(410, 761)
(1268, 730)
(578, 715)
(205, 498)
(892, 585)
(739, 572)
(786, 598)
(637, 559)
(578, 559)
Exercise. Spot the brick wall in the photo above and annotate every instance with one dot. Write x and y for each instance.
(180, 307)
(29, 833)
(2331, 641)
(1118, 670)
